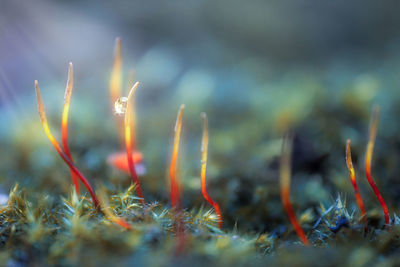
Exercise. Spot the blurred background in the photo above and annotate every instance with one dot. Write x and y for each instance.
(258, 69)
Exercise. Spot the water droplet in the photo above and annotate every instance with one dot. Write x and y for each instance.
(120, 105)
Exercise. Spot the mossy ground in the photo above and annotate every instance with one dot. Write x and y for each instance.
(39, 230)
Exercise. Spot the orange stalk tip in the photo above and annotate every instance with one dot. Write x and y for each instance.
(128, 142)
(352, 174)
(174, 184)
(368, 157)
(285, 175)
(204, 152)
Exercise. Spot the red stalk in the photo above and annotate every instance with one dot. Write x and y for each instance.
(352, 173)
(285, 174)
(128, 143)
(175, 200)
(370, 148)
(64, 123)
(204, 151)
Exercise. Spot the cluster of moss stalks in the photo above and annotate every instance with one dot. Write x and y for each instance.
(39, 230)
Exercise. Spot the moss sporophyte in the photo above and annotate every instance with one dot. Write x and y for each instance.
(352, 173)
(180, 223)
(368, 157)
(127, 160)
(60, 151)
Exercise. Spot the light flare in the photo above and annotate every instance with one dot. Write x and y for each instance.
(116, 74)
(119, 161)
(116, 91)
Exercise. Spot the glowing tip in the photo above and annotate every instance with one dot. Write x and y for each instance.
(40, 103)
(133, 90)
(179, 118)
(348, 155)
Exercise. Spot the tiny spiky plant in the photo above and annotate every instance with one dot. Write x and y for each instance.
(60, 151)
(285, 188)
(204, 151)
(352, 174)
(368, 157)
(107, 210)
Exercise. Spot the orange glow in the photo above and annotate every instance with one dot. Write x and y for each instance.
(128, 143)
(119, 160)
(175, 200)
(58, 148)
(116, 87)
(285, 189)
(204, 150)
(359, 200)
(116, 74)
(370, 149)
(64, 123)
